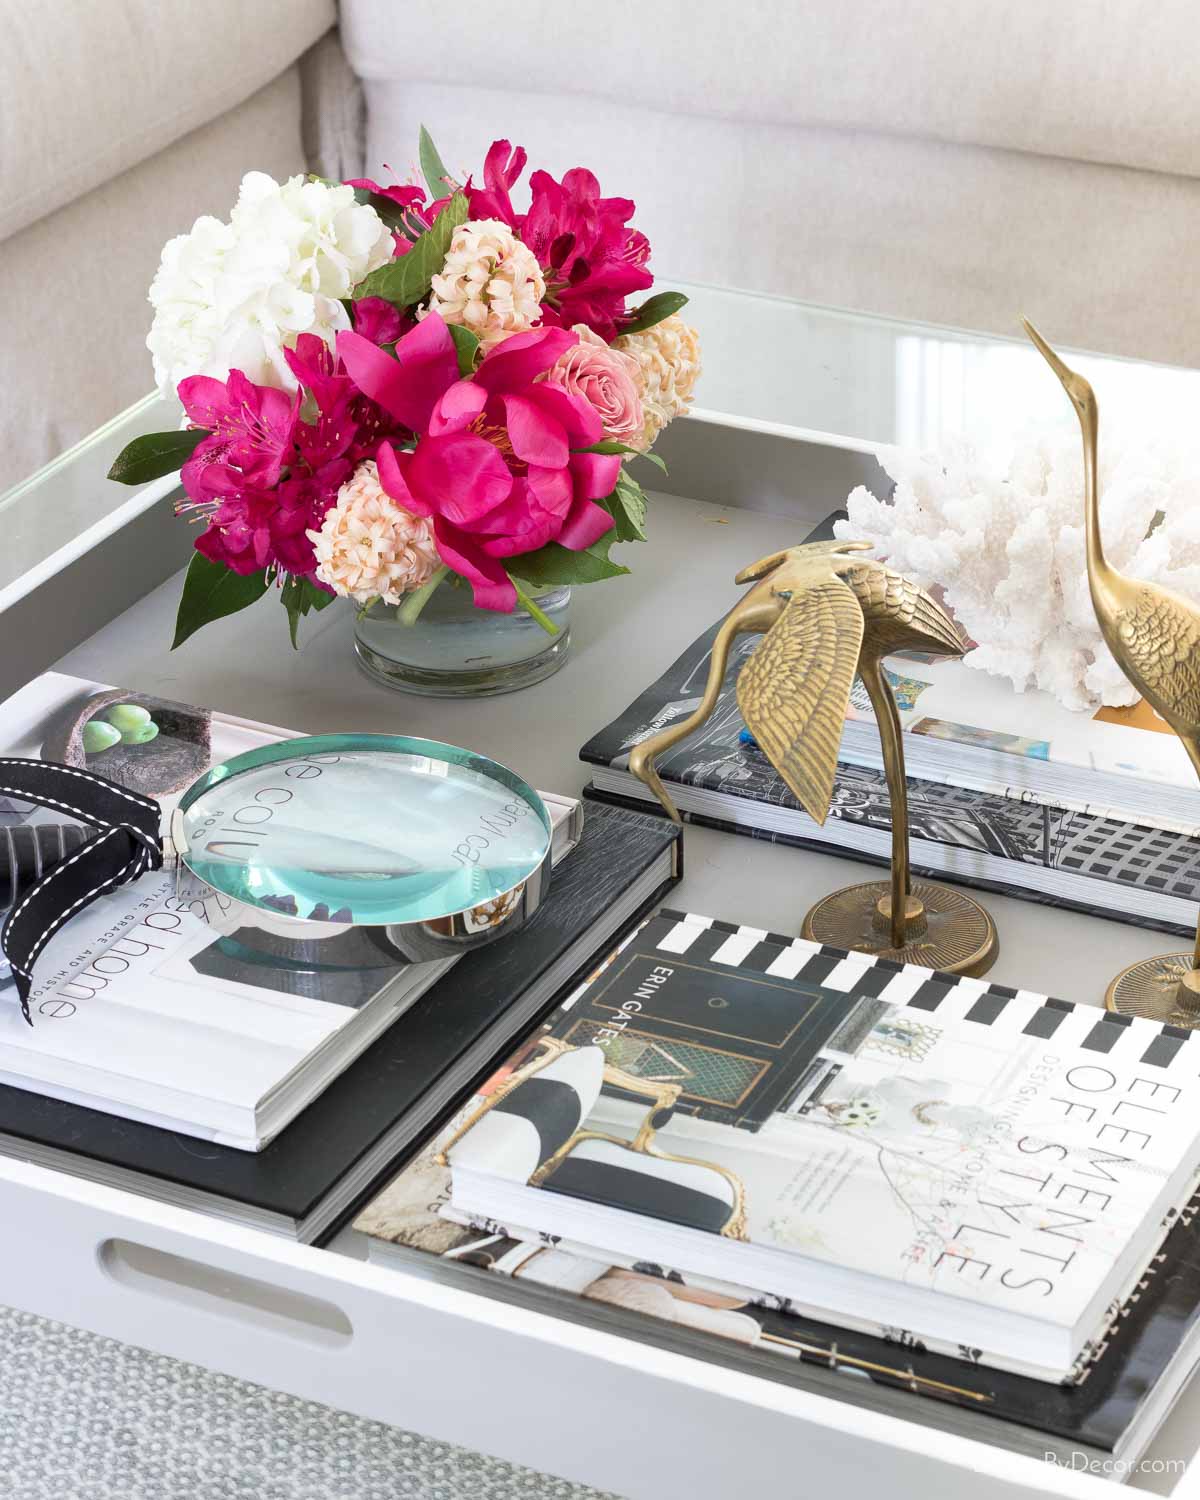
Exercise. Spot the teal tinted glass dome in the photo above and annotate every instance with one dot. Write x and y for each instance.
(364, 829)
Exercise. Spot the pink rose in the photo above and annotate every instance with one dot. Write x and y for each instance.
(607, 380)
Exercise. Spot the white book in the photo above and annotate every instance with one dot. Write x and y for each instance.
(928, 1158)
(141, 1010)
(974, 730)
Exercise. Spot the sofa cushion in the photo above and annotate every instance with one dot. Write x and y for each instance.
(1116, 83)
(74, 340)
(89, 90)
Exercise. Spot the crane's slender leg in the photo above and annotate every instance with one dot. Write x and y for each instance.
(1193, 749)
(887, 717)
(750, 615)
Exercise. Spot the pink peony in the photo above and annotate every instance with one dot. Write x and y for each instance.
(607, 380)
(496, 465)
(591, 258)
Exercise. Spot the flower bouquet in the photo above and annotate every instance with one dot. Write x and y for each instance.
(389, 387)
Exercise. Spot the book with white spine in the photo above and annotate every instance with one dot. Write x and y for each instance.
(139, 1008)
(921, 1156)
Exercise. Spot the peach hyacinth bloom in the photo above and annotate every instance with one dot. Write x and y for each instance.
(491, 283)
(607, 380)
(668, 359)
(369, 547)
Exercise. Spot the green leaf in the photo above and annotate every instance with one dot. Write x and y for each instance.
(299, 596)
(405, 281)
(553, 564)
(466, 345)
(654, 310)
(211, 591)
(627, 506)
(611, 446)
(433, 168)
(155, 454)
(530, 606)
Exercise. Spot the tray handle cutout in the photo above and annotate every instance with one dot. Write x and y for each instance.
(211, 1289)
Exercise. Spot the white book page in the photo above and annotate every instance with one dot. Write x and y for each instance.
(951, 701)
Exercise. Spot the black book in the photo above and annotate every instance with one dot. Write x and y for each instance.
(1113, 1411)
(306, 1180)
(1085, 861)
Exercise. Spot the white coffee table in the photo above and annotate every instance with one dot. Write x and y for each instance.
(415, 1348)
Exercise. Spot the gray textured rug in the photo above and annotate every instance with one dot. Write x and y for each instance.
(85, 1418)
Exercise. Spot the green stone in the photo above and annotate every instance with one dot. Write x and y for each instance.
(98, 736)
(140, 734)
(127, 716)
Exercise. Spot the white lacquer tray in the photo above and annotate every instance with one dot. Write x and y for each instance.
(467, 1364)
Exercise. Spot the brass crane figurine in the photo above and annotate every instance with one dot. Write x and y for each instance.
(825, 615)
(1155, 637)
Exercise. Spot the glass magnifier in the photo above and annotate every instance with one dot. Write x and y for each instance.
(376, 846)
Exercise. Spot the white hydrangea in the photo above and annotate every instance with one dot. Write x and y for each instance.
(1005, 542)
(233, 296)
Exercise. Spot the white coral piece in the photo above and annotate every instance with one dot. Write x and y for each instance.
(1005, 543)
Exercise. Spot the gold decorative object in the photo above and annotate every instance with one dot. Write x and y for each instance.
(826, 615)
(1155, 637)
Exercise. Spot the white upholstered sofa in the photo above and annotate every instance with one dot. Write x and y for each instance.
(120, 122)
(951, 160)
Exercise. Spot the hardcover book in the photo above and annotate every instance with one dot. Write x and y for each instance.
(311, 1175)
(139, 1007)
(1112, 1410)
(916, 1156)
(999, 839)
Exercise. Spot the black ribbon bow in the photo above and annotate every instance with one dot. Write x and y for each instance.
(126, 843)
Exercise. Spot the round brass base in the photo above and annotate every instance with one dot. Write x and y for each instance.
(1163, 988)
(952, 932)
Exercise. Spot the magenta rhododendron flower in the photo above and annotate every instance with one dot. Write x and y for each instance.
(591, 258)
(496, 465)
(348, 425)
(264, 477)
(251, 429)
(379, 320)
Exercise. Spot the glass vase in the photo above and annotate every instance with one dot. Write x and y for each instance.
(453, 650)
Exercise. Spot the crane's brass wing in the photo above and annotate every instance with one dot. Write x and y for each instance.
(794, 690)
(1160, 634)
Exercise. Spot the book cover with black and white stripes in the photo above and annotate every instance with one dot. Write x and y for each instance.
(982, 1169)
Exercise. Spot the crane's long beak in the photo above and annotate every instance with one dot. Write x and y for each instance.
(1064, 372)
(1075, 385)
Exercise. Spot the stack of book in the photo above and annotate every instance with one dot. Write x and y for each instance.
(270, 1089)
(1007, 791)
(978, 1202)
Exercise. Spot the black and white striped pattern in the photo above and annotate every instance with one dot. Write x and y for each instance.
(952, 996)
